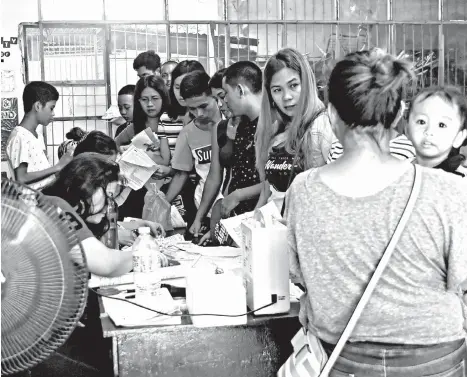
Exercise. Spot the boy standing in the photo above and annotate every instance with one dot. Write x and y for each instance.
(242, 84)
(125, 106)
(147, 63)
(24, 149)
(193, 148)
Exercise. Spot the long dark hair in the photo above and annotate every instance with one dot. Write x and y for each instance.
(156, 83)
(79, 180)
(185, 66)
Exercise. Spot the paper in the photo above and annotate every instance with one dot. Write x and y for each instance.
(146, 140)
(233, 224)
(136, 166)
(124, 313)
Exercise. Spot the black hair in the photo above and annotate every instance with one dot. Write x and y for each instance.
(77, 182)
(215, 81)
(182, 68)
(195, 84)
(127, 89)
(38, 91)
(245, 72)
(453, 96)
(148, 59)
(156, 83)
(74, 136)
(366, 88)
(98, 142)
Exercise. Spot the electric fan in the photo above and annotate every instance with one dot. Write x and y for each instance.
(44, 277)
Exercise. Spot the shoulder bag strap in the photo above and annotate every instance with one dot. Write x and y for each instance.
(376, 275)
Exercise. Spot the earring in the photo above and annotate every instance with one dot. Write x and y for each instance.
(273, 105)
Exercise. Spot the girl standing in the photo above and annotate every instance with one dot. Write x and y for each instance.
(292, 125)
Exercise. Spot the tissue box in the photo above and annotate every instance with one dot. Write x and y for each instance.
(211, 293)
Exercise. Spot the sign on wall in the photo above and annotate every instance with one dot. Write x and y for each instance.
(9, 120)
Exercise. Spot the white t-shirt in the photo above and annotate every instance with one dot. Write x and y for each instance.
(24, 147)
(193, 148)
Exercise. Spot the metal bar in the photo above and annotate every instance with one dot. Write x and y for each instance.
(108, 87)
(72, 24)
(25, 52)
(337, 49)
(168, 43)
(78, 83)
(441, 60)
(284, 23)
(81, 117)
(226, 35)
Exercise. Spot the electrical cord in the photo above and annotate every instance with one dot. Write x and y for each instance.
(273, 299)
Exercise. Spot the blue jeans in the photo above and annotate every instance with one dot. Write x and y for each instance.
(389, 360)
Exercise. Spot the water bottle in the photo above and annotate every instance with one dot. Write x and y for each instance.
(110, 238)
(146, 265)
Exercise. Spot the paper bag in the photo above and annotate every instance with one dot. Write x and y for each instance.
(266, 266)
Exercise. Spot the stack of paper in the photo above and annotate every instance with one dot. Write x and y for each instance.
(125, 314)
(136, 166)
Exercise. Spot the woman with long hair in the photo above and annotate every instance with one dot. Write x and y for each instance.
(151, 99)
(293, 127)
(341, 217)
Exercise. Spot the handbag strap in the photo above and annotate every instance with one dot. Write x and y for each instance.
(377, 274)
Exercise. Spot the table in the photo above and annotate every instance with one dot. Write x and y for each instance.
(256, 349)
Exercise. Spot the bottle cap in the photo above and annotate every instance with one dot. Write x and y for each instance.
(144, 230)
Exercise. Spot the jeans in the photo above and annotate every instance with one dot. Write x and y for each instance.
(389, 360)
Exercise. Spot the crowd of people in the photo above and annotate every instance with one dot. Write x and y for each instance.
(341, 173)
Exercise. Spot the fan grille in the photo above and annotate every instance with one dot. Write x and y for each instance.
(45, 288)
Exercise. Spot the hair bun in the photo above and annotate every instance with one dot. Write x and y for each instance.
(75, 134)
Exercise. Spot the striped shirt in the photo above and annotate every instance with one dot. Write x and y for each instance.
(400, 147)
(172, 129)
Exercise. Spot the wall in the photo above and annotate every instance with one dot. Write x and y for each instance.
(12, 85)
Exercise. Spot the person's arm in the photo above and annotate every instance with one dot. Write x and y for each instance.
(176, 185)
(327, 136)
(103, 261)
(182, 163)
(213, 181)
(165, 151)
(234, 198)
(23, 176)
(264, 195)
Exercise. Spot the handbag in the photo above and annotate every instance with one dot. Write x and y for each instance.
(309, 358)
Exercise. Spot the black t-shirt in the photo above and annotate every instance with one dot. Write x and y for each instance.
(279, 167)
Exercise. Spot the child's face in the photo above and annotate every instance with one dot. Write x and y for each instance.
(166, 73)
(143, 72)
(125, 106)
(434, 127)
(46, 113)
(177, 95)
(151, 102)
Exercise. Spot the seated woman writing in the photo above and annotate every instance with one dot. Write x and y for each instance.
(81, 192)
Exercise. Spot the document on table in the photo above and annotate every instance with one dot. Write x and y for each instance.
(123, 313)
(233, 224)
(137, 167)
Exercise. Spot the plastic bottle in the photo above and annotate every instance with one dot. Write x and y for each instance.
(110, 238)
(146, 264)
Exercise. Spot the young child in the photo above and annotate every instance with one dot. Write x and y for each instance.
(437, 128)
(24, 150)
(125, 106)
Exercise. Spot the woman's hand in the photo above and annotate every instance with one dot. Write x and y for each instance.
(126, 237)
(157, 229)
